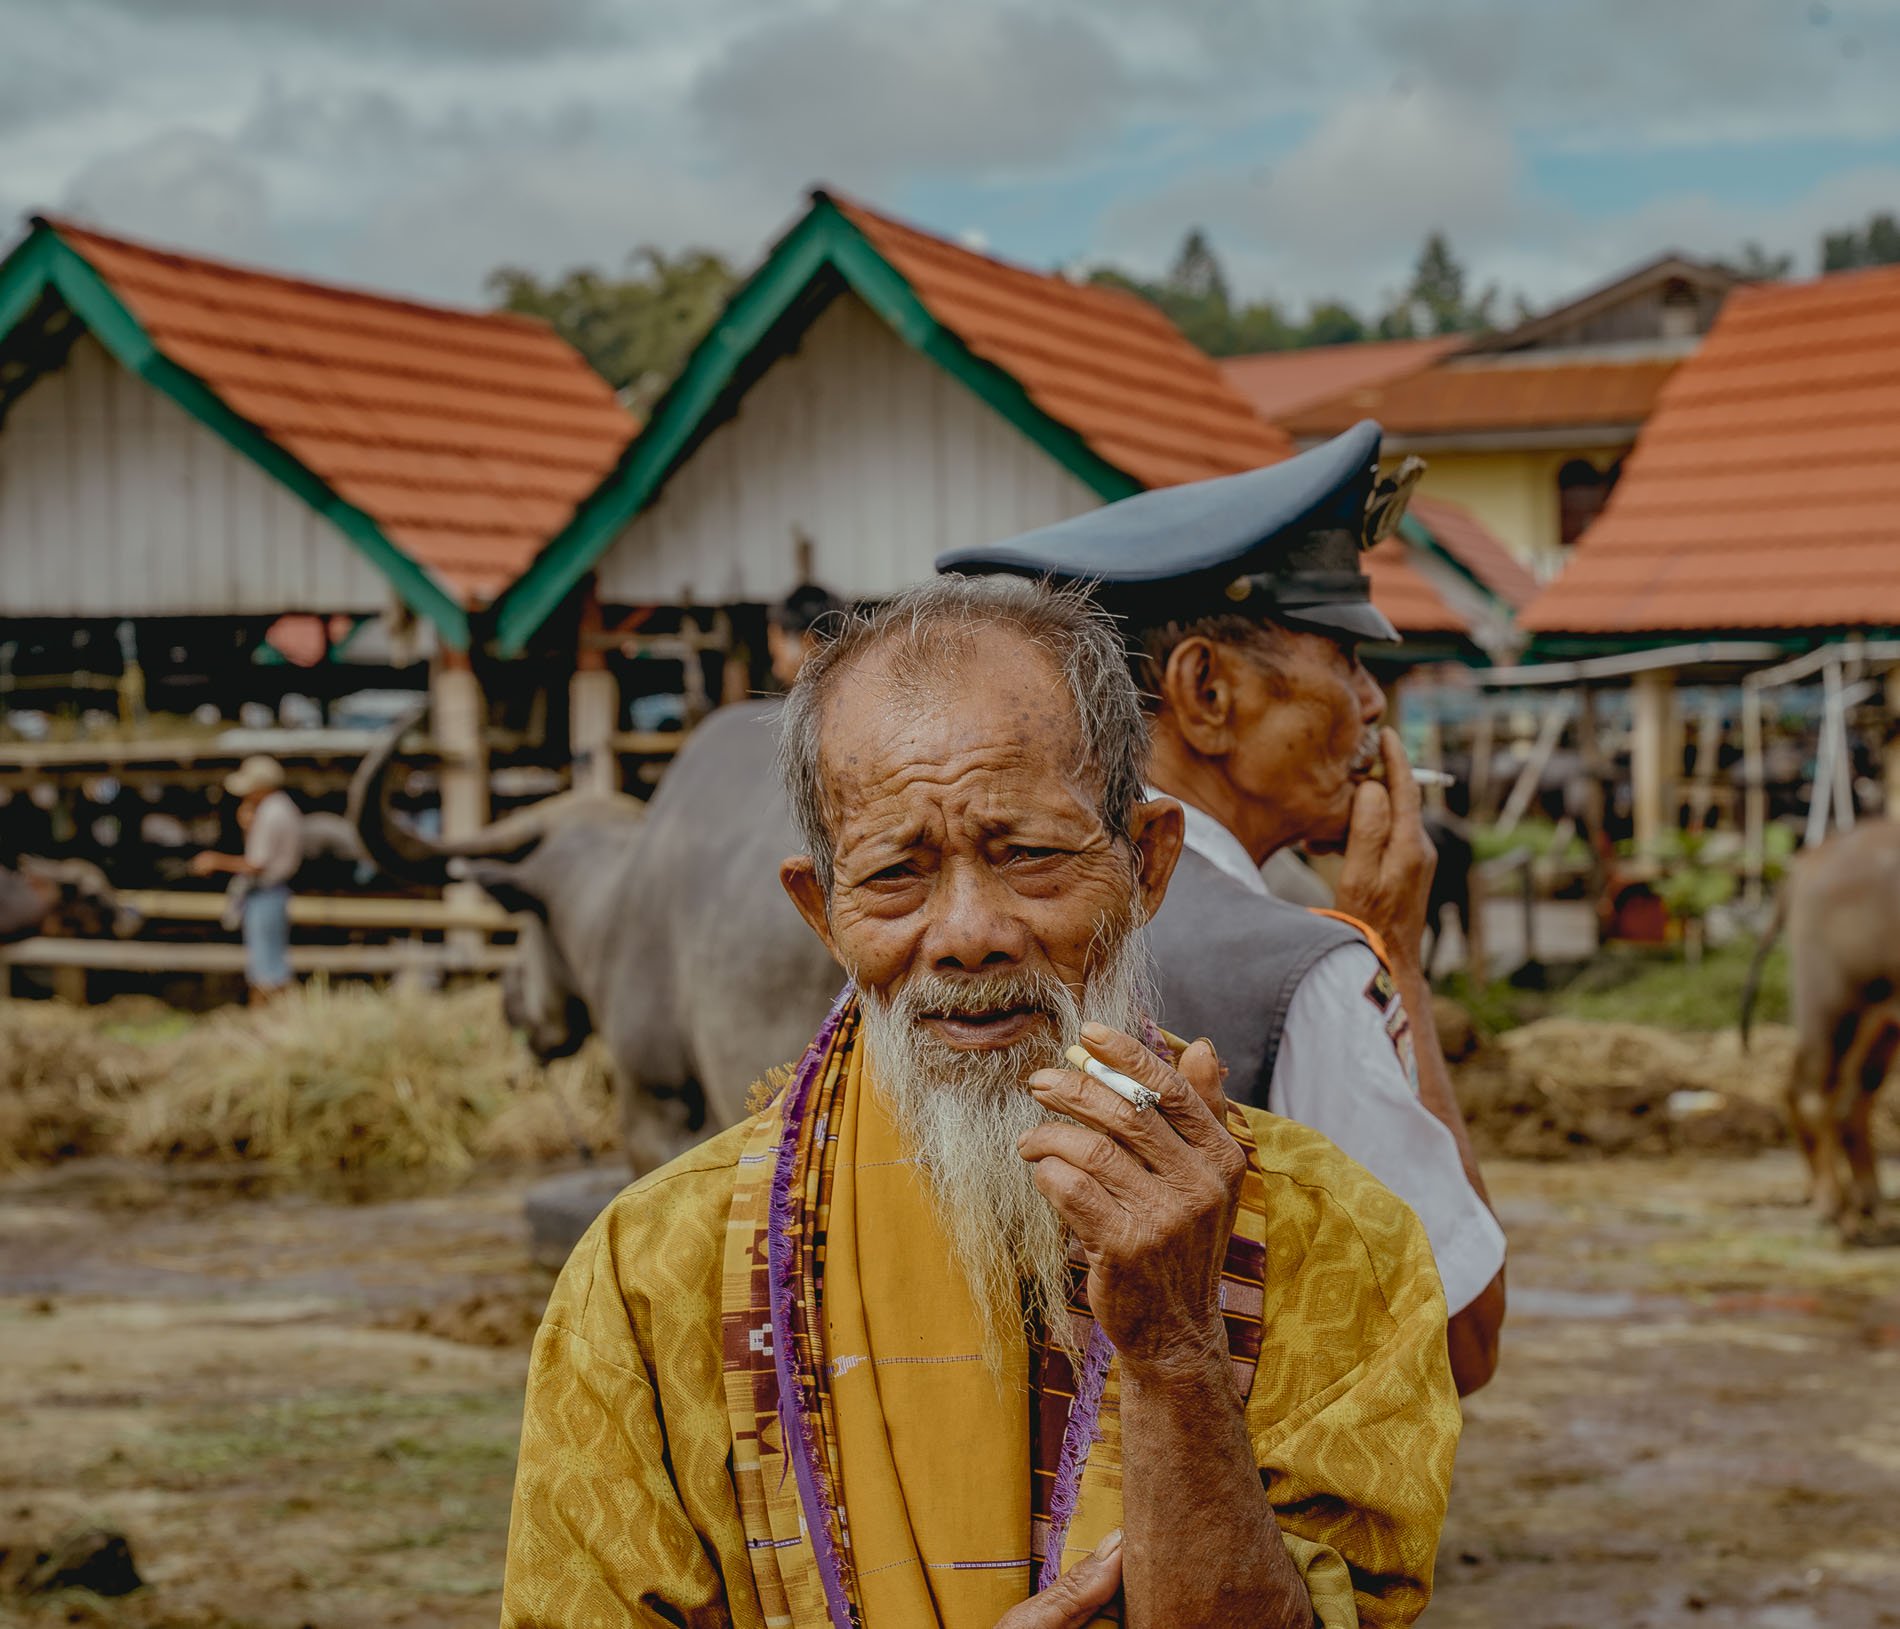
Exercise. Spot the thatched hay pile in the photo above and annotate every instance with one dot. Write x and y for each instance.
(1565, 1087)
(65, 1078)
(325, 1080)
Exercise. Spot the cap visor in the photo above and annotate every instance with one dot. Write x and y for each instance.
(1359, 619)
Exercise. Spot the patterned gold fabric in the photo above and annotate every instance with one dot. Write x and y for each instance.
(625, 1503)
(855, 1373)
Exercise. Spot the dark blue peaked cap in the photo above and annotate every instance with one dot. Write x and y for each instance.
(1281, 544)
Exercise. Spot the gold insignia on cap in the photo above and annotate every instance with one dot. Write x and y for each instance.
(1385, 506)
(1240, 588)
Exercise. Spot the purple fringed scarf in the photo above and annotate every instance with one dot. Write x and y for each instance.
(813, 1486)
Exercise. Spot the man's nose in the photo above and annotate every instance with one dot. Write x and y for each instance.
(1371, 695)
(973, 927)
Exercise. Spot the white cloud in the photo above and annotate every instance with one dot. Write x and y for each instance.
(1345, 211)
(879, 93)
(182, 187)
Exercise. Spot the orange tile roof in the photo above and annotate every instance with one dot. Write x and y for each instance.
(1473, 397)
(1277, 383)
(1099, 360)
(1765, 491)
(469, 437)
(1467, 540)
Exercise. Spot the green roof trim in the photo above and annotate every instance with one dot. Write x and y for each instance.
(824, 243)
(1416, 532)
(46, 261)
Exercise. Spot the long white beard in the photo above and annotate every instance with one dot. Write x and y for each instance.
(961, 1113)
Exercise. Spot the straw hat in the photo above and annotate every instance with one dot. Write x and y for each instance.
(256, 774)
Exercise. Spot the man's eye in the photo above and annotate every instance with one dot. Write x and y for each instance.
(1026, 853)
(902, 871)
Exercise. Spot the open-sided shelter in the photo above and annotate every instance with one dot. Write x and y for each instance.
(875, 395)
(192, 452)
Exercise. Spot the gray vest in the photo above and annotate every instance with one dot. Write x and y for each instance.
(1228, 962)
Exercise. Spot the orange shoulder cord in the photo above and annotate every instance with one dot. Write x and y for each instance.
(1372, 935)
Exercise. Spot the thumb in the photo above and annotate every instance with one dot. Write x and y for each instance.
(1076, 1598)
(1200, 1067)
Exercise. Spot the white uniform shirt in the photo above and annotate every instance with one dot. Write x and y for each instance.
(1346, 1068)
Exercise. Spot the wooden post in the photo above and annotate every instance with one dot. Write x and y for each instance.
(1892, 750)
(1483, 746)
(1755, 795)
(1652, 703)
(593, 708)
(458, 716)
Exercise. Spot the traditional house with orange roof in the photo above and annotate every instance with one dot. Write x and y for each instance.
(205, 466)
(874, 395)
(1527, 428)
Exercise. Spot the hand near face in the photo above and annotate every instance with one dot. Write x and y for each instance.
(1387, 877)
(1150, 1196)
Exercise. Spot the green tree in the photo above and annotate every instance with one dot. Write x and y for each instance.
(1331, 322)
(1875, 244)
(1754, 264)
(635, 330)
(1437, 301)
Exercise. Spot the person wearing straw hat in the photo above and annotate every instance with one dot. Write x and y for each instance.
(272, 825)
(1243, 604)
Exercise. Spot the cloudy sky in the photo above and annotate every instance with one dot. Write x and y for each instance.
(415, 144)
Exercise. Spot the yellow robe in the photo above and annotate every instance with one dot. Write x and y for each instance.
(625, 1510)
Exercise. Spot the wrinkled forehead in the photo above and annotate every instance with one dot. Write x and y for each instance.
(984, 697)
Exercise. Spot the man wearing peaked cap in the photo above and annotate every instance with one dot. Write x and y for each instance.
(1243, 604)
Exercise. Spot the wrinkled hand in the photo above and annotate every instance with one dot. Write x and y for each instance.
(1387, 876)
(1077, 1597)
(1149, 1196)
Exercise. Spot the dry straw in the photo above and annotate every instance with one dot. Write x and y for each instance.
(329, 1079)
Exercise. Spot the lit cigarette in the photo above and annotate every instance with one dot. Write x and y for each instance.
(1420, 777)
(1129, 1090)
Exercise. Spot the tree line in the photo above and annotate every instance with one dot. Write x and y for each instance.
(637, 328)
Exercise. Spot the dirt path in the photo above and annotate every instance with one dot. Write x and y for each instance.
(1698, 1421)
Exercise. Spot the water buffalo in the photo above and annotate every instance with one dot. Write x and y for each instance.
(1839, 906)
(667, 934)
(65, 899)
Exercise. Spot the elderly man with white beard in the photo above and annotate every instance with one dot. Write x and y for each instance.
(952, 1333)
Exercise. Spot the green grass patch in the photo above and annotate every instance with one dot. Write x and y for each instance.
(1637, 984)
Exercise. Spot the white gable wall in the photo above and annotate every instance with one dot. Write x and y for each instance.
(856, 442)
(114, 501)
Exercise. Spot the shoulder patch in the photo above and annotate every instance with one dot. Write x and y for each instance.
(1382, 992)
(1384, 995)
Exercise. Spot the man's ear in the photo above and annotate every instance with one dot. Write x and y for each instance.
(1197, 694)
(800, 878)
(1157, 831)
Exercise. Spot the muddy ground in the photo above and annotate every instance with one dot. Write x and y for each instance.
(303, 1411)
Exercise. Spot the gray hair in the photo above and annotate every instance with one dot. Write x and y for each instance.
(922, 632)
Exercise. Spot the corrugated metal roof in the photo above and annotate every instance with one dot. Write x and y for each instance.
(469, 437)
(1277, 383)
(1099, 360)
(1764, 493)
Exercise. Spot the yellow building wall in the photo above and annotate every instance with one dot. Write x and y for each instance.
(1514, 494)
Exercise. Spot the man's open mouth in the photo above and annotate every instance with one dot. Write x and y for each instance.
(991, 1026)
